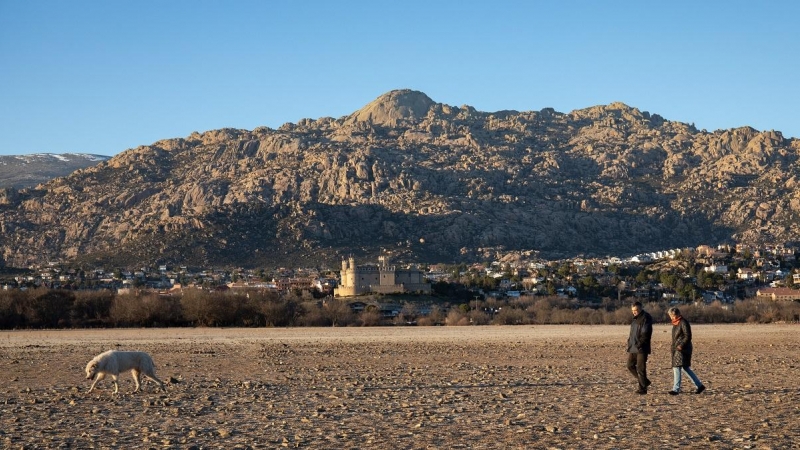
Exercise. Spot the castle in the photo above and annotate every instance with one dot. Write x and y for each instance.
(380, 279)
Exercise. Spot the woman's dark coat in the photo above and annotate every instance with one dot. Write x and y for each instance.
(682, 337)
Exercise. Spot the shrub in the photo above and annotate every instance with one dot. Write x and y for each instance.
(511, 316)
(208, 309)
(11, 308)
(478, 317)
(338, 313)
(622, 315)
(589, 316)
(49, 308)
(370, 318)
(456, 316)
(334, 313)
(91, 308)
(436, 317)
(312, 316)
(277, 312)
(145, 310)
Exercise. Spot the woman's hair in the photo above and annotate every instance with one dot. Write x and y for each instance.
(674, 311)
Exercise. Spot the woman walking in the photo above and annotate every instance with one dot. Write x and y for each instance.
(682, 352)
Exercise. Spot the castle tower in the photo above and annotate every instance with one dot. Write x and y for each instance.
(349, 275)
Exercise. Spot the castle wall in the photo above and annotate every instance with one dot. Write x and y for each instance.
(406, 276)
(387, 277)
(388, 289)
(383, 279)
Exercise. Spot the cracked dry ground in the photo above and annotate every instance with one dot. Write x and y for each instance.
(407, 388)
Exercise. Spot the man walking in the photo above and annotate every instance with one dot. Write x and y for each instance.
(639, 345)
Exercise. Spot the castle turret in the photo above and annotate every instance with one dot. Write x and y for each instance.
(349, 275)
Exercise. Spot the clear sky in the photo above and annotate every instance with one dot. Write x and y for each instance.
(104, 76)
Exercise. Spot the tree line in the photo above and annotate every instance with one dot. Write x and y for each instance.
(46, 308)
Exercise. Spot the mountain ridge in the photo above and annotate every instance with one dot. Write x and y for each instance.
(423, 180)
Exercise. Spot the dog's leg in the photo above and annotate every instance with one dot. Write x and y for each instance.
(116, 385)
(97, 378)
(137, 378)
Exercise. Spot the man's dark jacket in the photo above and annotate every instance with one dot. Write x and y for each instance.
(641, 332)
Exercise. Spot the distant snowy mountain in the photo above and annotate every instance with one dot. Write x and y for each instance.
(22, 171)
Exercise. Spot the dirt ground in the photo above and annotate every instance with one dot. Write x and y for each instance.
(402, 387)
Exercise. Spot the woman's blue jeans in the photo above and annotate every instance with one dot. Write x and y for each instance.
(676, 378)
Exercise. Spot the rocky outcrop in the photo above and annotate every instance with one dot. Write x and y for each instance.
(394, 108)
(428, 181)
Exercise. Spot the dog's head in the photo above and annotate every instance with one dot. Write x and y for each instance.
(91, 369)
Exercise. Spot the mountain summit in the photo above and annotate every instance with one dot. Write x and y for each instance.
(423, 180)
(394, 106)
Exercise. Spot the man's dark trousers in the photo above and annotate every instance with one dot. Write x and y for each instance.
(637, 365)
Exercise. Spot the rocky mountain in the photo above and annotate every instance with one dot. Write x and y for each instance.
(423, 180)
(21, 171)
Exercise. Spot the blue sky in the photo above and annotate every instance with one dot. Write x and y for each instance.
(104, 76)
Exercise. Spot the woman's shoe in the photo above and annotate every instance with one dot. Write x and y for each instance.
(700, 389)
(674, 392)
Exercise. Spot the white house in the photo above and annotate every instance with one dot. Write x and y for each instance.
(745, 273)
(716, 268)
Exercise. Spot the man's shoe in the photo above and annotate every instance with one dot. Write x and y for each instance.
(641, 391)
(700, 390)
(674, 392)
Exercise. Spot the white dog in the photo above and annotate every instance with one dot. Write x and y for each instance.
(113, 362)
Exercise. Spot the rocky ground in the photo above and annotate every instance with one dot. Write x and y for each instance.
(405, 387)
